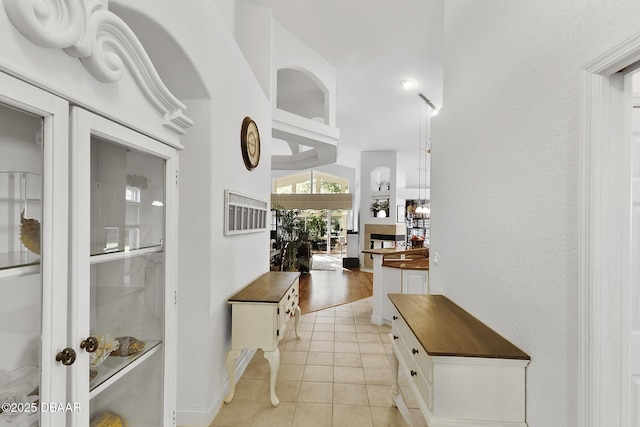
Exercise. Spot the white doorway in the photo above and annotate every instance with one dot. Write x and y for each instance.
(631, 366)
(609, 353)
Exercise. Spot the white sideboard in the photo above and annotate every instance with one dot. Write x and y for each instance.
(461, 372)
(259, 316)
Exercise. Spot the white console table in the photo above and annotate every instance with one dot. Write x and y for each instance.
(461, 372)
(259, 316)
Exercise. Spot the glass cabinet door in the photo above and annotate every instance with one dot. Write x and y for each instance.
(122, 288)
(32, 275)
(21, 283)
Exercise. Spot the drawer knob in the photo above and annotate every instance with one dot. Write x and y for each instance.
(288, 311)
(90, 344)
(289, 296)
(413, 373)
(395, 317)
(66, 356)
(414, 350)
(395, 337)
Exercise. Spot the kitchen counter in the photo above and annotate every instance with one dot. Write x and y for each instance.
(393, 251)
(396, 270)
(410, 259)
(407, 264)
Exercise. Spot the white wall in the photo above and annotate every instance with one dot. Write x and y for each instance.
(254, 33)
(369, 161)
(504, 183)
(212, 267)
(290, 52)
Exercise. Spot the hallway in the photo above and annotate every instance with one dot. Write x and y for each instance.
(325, 288)
(337, 374)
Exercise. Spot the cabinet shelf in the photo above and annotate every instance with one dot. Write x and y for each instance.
(108, 294)
(114, 256)
(114, 368)
(380, 194)
(15, 264)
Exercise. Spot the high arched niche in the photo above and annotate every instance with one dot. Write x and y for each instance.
(381, 179)
(300, 93)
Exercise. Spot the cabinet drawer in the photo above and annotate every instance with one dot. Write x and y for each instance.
(425, 388)
(282, 318)
(287, 306)
(415, 373)
(292, 293)
(417, 352)
(290, 305)
(403, 350)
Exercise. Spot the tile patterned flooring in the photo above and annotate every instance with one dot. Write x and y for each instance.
(337, 374)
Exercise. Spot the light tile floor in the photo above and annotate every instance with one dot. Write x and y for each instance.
(337, 374)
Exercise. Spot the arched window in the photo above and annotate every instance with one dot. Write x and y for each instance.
(310, 182)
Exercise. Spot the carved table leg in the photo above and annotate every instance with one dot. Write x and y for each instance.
(297, 314)
(398, 400)
(274, 362)
(231, 365)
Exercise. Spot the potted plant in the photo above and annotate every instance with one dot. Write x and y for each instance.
(380, 205)
(287, 235)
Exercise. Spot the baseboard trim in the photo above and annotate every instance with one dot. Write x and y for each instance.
(197, 417)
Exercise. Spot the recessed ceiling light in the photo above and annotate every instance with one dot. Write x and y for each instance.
(407, 84)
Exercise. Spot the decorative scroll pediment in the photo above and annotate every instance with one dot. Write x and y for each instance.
(87, 30)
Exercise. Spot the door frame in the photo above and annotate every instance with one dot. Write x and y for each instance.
(603, 271)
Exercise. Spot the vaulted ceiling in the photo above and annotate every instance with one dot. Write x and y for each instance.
(374, 44)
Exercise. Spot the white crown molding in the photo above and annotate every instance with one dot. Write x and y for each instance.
(87, 30)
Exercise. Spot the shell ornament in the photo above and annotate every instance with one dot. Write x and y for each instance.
(107, 419)
(30, 233)
(128, 346)
(106, 345)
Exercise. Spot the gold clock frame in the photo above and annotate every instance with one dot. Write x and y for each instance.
(250, 143)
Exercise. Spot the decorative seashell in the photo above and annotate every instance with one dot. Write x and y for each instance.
(128, 346)
(106, 345)
(107, 419)
(30, 233)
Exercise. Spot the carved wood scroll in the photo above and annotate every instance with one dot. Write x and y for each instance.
(87, 30)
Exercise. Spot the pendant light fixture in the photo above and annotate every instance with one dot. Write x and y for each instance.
(424, 149)
(420, 207)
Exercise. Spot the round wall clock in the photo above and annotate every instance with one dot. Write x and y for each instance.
(250, 143)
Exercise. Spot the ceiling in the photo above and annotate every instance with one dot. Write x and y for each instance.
(374, 44)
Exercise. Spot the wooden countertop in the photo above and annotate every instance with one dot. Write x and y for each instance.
(268, 288)
(407, 264)
(388, 251)
(445, 329)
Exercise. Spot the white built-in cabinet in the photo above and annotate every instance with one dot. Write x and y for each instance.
(88, 230)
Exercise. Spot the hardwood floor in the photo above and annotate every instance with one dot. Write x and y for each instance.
(322, 289)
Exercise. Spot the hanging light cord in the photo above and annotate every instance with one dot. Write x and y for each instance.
(422, 208)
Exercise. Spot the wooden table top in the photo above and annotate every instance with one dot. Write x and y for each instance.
(444, 329)
(268, 288)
